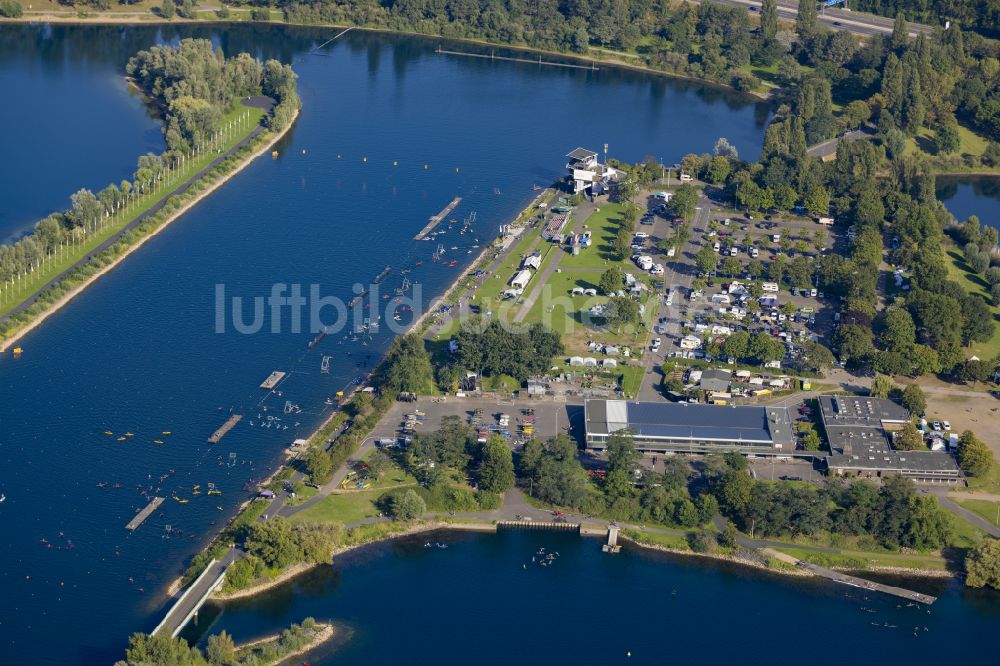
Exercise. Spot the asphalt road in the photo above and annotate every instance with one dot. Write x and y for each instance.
(834, 19)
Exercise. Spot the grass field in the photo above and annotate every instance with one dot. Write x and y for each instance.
(341, 508)
(859, 559)
(974, 284)
(970, 142)
(985, 509)
(58, 262)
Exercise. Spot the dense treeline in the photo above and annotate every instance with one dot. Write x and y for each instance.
(195, 84)
(892, 515)
(983, 15)
(220, 650)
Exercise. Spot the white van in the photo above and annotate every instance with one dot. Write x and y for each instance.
(733, 251)
(754, 252)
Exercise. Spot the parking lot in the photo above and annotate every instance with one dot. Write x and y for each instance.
(550, 418)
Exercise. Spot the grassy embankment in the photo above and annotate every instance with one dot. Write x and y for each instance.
(985, 509)
(62, 260)
(974, 284)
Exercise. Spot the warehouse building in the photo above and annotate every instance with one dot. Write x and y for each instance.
(690, 428)
(860, 429)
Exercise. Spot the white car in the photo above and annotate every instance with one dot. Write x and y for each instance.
(655, 345)
(642, 235)
(671, 252)
(657, 269)
(936, 427)
(715, 246)
(733, 251)
(946, 425)
(754, 252)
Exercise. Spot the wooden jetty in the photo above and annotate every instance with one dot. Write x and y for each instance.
(141, 517)
(853, 581)
(492, 56)
(436, 219)
(273, 379)
(225, 427)
(538, 525)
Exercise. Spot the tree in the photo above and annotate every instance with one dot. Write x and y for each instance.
(815, 356)
(319, 466)
(407, 367)
(684, 200)
(622, 246)
(765, 348)
(806, 18)
(811, 441)
(408, 506)
(161, 650)
(881, 386)
(621, 452)
(854, 343)
(718, 169)
(909, 439)
(982, 565)
(913, 399)
(725, 149)
(729, 537)
(900, 35)
(736, 345)
(948, 139)
(706, 259)
(168, 9)
(221, 650)
(817, 201)
(496, 471)
(769, 19)
(621, 311)
(974, 457)
(734, 491)
(898, 330)
(612, 281)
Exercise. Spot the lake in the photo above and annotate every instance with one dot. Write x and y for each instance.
(965, 196)
(482, 600)
(390, 133)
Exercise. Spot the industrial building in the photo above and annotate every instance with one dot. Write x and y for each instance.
(690, 428)
(860, 429)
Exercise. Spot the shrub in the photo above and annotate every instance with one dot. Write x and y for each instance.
(11, 8)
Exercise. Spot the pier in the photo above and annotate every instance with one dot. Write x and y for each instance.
(537, 525)
(194, 597)
(436, 219)
(141, 517)
(493, 56)
(225, 427)
(853, 581)
(274, 378)
(612, 545)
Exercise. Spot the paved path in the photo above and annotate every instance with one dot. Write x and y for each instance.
(828, 148)
(945, 501)
(256, 102)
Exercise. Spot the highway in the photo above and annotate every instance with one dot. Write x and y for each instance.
(834, 19)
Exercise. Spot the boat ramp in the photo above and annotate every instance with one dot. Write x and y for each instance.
(225, 427)
(141, 517)
(436, 219)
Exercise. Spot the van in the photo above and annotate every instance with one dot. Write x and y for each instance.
(754, 252)
(641, 235)
(733, 251)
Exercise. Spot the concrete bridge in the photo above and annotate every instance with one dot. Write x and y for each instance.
(194, 597)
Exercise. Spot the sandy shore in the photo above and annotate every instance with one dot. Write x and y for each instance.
(75, 291)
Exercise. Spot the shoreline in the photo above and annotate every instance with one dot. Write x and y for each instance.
(325, 633)
(585, 533)
(103, 18)
(78, 289)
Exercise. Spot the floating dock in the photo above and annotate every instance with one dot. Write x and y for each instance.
(493, 56)
(273, 379)
(853, 581)
(226, 427)
(141, 517)
(436, 219)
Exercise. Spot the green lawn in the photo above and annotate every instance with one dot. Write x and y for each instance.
(658, 539)
(856, 559)
(970, 142)
(341, 508)
(983, 508)
(976, 285)
(63, 259)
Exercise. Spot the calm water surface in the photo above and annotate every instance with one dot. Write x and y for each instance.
(483, 600)
(965, 196)
(138, 353)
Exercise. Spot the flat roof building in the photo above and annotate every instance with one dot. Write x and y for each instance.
(859, 430)
(690, 428)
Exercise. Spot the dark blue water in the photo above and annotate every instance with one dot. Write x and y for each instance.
(483, 601)
(69, 122)
(965, 196)
(138, 352)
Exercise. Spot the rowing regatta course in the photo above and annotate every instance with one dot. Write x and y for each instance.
(115, 396)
